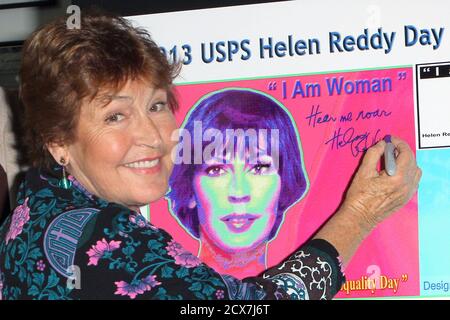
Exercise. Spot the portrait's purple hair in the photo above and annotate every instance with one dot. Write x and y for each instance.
(240, 109)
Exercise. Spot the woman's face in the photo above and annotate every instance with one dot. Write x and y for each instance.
(237, 202)
(122, 150)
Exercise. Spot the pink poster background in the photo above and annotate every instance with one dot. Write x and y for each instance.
(389, 255)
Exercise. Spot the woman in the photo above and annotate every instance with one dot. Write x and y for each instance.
(99, 117)
(236, 207)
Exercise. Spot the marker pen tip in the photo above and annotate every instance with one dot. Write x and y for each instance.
(387, 138)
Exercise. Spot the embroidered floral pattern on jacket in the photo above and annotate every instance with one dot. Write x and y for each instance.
(56, 234)
(101, 249)
(136, 287)
(20, 216)
(182, 257)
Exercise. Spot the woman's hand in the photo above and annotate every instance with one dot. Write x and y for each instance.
(373, 196)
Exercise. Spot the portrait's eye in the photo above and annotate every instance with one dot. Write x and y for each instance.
(261, 168)
(158, 106)
(215, 171)
(115, 117)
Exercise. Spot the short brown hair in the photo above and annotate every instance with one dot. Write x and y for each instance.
(62, 67)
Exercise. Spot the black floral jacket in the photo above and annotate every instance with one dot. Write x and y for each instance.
(69, 244)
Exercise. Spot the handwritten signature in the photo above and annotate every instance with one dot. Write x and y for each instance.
(358, 143)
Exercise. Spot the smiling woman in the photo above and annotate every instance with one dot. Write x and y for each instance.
(98, 118)
(122, 150)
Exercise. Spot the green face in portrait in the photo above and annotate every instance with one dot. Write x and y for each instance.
(237, 202)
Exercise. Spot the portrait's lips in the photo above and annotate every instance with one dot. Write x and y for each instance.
(239, 223)
(145, 165)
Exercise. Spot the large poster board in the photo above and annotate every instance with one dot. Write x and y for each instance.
(340, 76)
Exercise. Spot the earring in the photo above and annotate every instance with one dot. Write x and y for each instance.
(64, 182)
(192, 204)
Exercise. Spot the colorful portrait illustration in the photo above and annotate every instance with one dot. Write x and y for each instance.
(238, 168)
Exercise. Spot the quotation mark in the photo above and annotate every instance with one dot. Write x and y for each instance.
(402, 75)
(272, 86)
